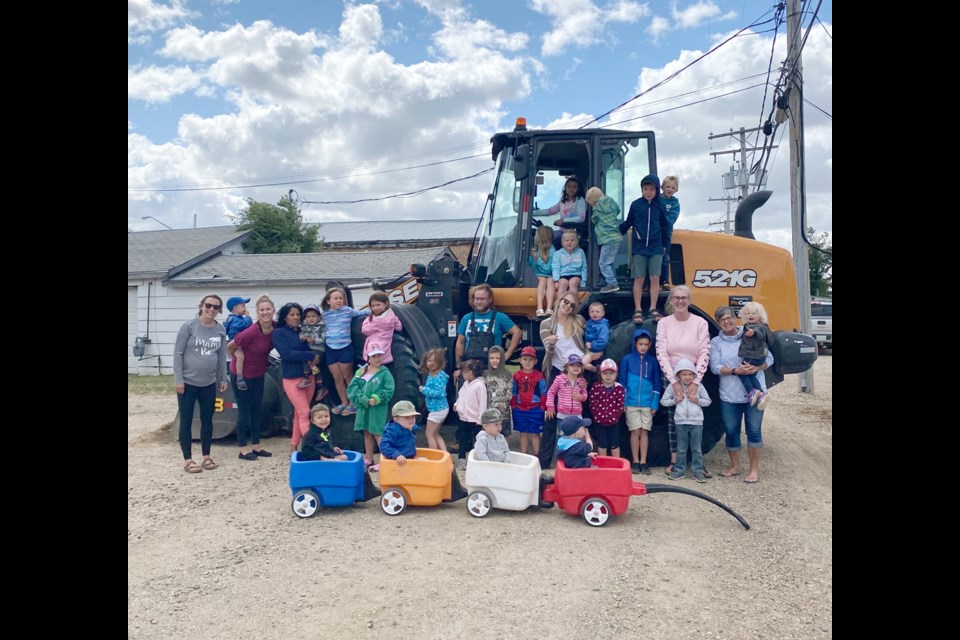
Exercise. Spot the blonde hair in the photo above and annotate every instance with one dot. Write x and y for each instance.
(542, 241)
(264, 298)
(439, 354)
(571, 232)
(756, 307)
(594, 192)
(674, 179)
(571, 326)
(597, 303)
(680, 288)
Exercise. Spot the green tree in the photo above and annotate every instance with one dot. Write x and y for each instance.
(820, 263)
(277, 228)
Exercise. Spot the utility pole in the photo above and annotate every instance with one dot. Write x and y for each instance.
(726, 221)
(741, 177)
(798, 203)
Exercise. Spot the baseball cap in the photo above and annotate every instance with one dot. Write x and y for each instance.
(573, 359)
(608, 365)
(234, 301)
(374, 349)
(570, 424)
(404, 408)
(528, 351)
(312, 307)
(491, 415)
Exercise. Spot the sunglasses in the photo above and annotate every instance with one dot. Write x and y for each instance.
(565, 301)
(215, 307)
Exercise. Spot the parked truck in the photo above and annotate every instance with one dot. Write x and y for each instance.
(531, 167)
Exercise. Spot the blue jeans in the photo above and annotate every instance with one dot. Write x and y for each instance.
(608, 253)
(207, 397)
(249, 403)
(689, 436)
(733, 414)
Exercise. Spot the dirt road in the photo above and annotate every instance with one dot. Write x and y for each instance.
(220, 554)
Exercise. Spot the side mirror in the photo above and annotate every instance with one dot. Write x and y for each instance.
(521, 162)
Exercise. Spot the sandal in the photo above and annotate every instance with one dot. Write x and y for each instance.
(191, 467)
(337, 409)
(209, 464)
(655, 315)
(638, 317)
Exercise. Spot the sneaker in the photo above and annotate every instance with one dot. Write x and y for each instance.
(316, 370)
(676, 475)
(609, 288)
(545, 504)
(263, 453)
(754, 396)
(321, 394)
(304, 383)
(249, 455)
(349, 410)
(644, 469)
(635, 467)
(699, 477)
(764, 399)
(462, 464)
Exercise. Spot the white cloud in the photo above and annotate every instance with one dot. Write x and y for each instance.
(696, 14)
(581, 23)
(656, 27)
(159, 84)
(147, 15)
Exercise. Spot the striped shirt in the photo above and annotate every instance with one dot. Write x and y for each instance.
(560, 396)
(338, 325)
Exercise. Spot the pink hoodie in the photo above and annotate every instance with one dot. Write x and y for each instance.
(380, 329)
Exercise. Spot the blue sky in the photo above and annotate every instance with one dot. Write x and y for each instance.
(345, 100)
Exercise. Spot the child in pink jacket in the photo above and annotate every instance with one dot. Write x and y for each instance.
(568, 392)
(380, 325)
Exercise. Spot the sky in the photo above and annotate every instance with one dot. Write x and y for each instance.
(236, 99)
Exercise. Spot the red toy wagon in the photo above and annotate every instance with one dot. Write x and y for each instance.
(604, 489)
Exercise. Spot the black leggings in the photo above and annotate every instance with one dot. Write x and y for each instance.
(207, 397)
(466, 436)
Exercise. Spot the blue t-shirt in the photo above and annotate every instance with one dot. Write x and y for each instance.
(482, 321)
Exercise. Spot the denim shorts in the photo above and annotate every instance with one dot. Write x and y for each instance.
(740, 414)
(344, 355)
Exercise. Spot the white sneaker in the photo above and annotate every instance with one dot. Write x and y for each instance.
(764, 399)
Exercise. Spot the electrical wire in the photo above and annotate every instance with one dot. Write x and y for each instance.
(408, 194)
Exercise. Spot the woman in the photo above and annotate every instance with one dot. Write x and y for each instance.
(681, 335)
(293, 353)
(562, 337)
(735, 407)
(250, 350)
(199, 361)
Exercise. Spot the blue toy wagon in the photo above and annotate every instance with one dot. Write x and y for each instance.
(317, 484)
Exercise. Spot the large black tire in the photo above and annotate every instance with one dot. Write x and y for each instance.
(658, 454)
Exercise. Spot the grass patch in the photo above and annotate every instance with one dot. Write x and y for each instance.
(150, 385)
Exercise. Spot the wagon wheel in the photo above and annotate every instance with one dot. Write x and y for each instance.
(306, 503)
(393, 501)
(479, 504)
(596, 512)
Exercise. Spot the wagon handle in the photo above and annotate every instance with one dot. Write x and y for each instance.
(664, 488)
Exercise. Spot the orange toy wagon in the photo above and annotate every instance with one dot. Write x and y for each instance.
(426, 480)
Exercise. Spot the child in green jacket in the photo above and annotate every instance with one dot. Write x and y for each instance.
(370, 392)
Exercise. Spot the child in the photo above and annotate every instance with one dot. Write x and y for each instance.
(669, 186)
(528, 401)
(575, 447)
(490, 445)
(568, 392)
(370, 391)
(399, 443)
(606, 405)
(756, 338)
(648, 219)
(312, 331)
(317, 444)
(541, 261)
(570, 264)
(339, 354)
(471, 403)
(689, 418)
(640, 377)
(239, 318)
(596, 335)
(399, 440)
(606, 218)
(498, 381)
(380, 325)
(434, 390)
(572, 207)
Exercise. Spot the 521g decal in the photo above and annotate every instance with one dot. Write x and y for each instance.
(724, 278)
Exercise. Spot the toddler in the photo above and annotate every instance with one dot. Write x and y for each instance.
(756, 339)
(595, 335)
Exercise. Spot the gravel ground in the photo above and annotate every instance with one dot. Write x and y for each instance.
(220, 553)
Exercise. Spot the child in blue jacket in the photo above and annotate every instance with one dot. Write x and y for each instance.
(640, 376)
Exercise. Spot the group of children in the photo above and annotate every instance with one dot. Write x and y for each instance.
(652, 218)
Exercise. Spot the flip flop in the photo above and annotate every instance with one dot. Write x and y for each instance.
(751, 480)
(724, 474)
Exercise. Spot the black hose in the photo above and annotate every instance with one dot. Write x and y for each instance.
(666, 488)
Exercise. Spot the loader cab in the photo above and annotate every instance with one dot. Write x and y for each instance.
(531, 169)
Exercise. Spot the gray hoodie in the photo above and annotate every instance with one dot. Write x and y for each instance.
(687, 412)
(491, 449)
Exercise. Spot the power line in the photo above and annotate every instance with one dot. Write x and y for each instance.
(408, 194)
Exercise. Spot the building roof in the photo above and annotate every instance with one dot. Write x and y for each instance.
(306, 268)
(388, 231)
(158, 253)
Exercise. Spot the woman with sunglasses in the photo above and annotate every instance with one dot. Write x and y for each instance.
(199, 364)
(562, 337)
